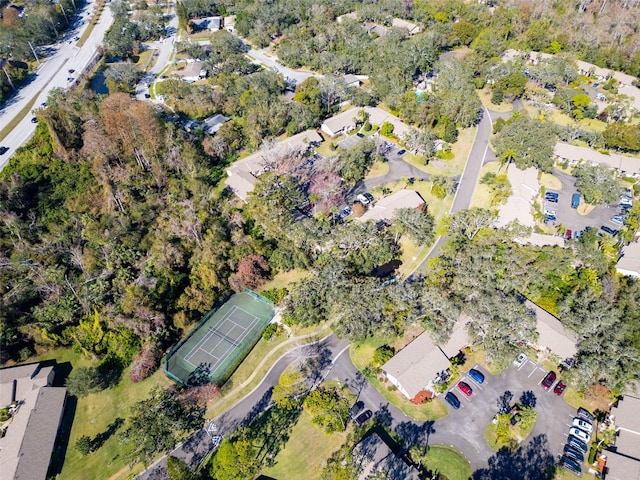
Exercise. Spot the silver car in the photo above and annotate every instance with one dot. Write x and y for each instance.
(581, 434)
(519, 361)
(582, 425)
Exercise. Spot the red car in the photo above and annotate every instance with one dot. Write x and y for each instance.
(559, 388)
(548, 380)
(465, 388)
(568, 234)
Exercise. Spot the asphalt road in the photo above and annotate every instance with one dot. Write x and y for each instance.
(53, 73)
(294, 76)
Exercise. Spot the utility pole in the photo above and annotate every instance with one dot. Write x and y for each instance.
(34, 52)
(7, 74)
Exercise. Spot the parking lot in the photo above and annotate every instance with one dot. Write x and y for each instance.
(477, 411)
(569, 217)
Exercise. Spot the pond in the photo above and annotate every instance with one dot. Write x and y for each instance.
(99, 83)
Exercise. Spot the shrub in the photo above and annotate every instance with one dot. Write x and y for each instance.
(83, 445)
(269, 331)
(382, 354)
(145, 362)
(83, 381)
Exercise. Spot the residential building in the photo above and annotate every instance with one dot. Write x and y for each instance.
(409, 27)
(385, 208)
(624, 165)
(623, 460)
(36, 407)
(629, 262)
(524, 189)
(212, 24)
(213, 124)
(414, 368)
(553, 337)
(590, 70)
(346, 121)
(348, 16)
(375, 29)
(243, 174)
(192, 72)
(351, 81)
(542, 240)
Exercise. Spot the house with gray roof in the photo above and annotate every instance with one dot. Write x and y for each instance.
(623, 460)
(385, 208)
(36, 407)
(625, 165)
(629, 262)
(409, 27)
(552, 335)
(213, 124)
(414, 368)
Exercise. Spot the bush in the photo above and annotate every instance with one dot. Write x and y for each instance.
(83, 445)
(386, 129)
(83, 381)
(145, 362)
(276, 295)
(382, 354)
(367, 126)
(270, 331)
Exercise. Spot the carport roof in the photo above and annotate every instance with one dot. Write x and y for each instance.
(629, 263)
(626, 414)
(620, 467)
(571, 152)
(552, 334)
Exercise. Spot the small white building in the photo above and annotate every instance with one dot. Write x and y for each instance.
(409, 27)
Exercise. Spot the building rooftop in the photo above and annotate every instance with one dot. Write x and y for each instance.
(385, 208)
(405, 25)
(552, 334)
(620, 467)
(567, 151)
(627, 414)
(524, 187)
(417, 364)
(30, 434)
(214, 123)
(192, 69)
(458, 339)
(629, 263)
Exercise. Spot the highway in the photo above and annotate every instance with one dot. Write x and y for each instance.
(53, 73)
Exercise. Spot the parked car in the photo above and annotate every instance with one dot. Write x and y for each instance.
(344, 213)
(619, 219)
(611, 231)
(575, 200)
(550, 194)
(476, 375)
(520, 359)
(559, 388)
(581, 434)
(356, 409)
(568, 234)
(571, 465)
(465, 388)
(574, 453)
(363, 417)
(548, 380)
(401, 152)
(578, 444)
(452, 400)
(582, 425)
(626, 200)
(363, 200)
(368, 196)
(549, 212)
(3, 150)
(586, 415)
(550, 218)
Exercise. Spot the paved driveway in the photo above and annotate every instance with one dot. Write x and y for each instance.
(475, 413)
(569, 217)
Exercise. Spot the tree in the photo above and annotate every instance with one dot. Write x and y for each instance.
(596, 183)
(468, 223)
(386, 129)
(84, 380)
(288, 393)
(156, 424)
(83, 445)
(418, 224)
(328, 409)
(532, 142)
(235, 459)
(145, 362)
(178, 469)
(528, 418)
(623, 136)
(253, 271)
(382, 354)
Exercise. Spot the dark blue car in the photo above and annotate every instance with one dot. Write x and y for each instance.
(452, 400)
(476, 375)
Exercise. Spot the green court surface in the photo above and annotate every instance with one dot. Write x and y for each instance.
(224, 337)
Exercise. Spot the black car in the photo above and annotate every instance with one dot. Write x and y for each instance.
(363, 417)
(356, 409)
(585, 415)
(574, 453)
(578, 444)
(3, 150)
(609, 230)
(401, 152)
(571, 465)
(551, 199)
(34, 120)
(452, 400)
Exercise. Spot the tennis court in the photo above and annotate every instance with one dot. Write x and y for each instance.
(221, 341)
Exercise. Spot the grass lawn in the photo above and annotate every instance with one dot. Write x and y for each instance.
(447, 461)
(564, 474)
(485, 97)
(303, 455)
(551, 182)
(94, 414)
(516, 432)
(361, 356)
(482, 195)
(452, 167)
(284, 279)
(564, 120)
(145, 58)
(378, 169)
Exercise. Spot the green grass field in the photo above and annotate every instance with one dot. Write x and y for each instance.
(447, 461)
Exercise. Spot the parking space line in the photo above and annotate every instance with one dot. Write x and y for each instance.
(535, 369)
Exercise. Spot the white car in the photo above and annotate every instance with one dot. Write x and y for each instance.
(362, 199)
(582, 425)
(520, 359)
(581, 434)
